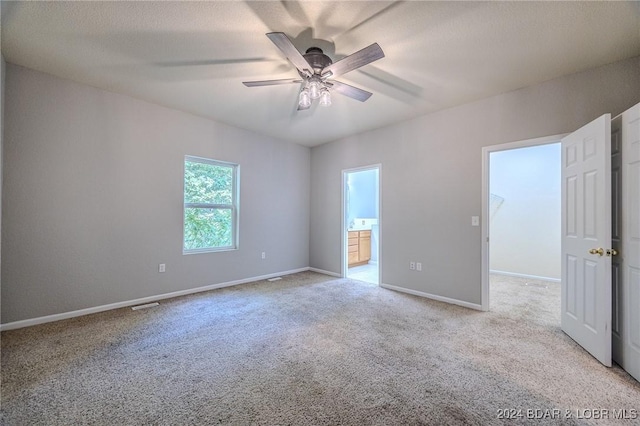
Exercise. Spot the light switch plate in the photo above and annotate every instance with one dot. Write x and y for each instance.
(475, 220)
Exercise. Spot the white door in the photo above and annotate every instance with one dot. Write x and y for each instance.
(586, 237)
(626, 276)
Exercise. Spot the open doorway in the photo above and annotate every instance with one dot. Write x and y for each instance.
(595, 210)
(523, 225)
(361, 224)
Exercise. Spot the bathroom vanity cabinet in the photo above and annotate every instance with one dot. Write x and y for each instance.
(359, 247)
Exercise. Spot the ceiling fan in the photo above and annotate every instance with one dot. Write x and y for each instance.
(317, 71)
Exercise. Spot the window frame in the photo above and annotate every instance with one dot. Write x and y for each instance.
(233, 207)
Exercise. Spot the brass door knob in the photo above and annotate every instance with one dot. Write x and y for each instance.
(598, 251)
(612, 252)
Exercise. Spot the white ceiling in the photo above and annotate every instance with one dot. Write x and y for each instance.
(193, 56)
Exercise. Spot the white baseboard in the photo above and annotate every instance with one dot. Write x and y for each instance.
(433, 297)
(532, 277)
(322, 271)
(65, 315)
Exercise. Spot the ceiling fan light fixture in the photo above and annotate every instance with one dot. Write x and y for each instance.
(315, 68)
(325, 97)
(314, 88)
(305, 100)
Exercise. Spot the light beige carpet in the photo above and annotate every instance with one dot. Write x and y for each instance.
(308, 349)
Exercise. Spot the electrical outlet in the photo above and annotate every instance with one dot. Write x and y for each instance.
(412, 266)
(475, 220)
(418, 266)
(264, 254)
(162, 267)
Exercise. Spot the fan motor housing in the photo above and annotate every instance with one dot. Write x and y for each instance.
(317, 59)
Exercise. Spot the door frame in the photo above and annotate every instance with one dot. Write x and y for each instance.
(343, 222)
(486, 154)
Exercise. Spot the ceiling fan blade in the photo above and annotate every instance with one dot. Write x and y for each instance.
(271, 82)
(360, 58)
(350, 91)
(293, 55)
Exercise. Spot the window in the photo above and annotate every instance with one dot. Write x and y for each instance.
(210, 205)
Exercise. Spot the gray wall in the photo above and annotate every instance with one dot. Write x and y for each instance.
(431, 175)
(93, 198)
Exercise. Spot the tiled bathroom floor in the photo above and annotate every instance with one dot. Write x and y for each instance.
(367, 273)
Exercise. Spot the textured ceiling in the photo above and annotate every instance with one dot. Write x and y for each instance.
(193, 56)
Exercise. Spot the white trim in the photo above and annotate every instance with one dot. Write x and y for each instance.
(72, 314)
(532, 277)
(486, 153)
(344, 259)
(545, 140)
(322, 271)
(484, 232)
(449, 300)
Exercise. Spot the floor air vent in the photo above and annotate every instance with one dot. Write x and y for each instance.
(148, 305)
